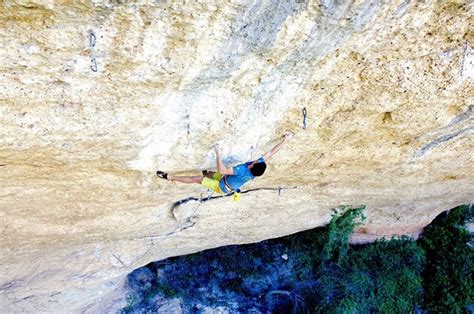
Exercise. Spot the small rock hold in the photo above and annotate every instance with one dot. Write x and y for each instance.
(285, 257)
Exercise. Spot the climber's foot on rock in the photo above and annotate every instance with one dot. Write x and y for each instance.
(162, 175)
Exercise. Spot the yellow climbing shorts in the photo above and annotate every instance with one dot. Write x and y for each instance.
(213, 183)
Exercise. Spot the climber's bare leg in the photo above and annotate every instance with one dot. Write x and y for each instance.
(185, 179)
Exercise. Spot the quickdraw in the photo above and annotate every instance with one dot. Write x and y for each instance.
(92, 40)
(304, 117)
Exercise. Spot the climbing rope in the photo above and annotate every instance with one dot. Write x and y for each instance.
(203, 200)
(92, 40)
(180, 226)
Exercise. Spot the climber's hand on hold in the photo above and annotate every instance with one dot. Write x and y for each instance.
(275, 149)
(288, 135)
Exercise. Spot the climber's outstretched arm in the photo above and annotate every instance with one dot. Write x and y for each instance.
(277, 147)
(220, 165)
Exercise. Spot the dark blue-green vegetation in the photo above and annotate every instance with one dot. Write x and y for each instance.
(449, 272)
(317, 271)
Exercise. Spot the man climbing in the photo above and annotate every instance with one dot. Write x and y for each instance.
(227, 180)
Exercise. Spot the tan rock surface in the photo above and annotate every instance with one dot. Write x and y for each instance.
(388, 87)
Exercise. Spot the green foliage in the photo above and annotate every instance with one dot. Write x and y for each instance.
(383, 277)
(393, 268)
(328, 275)
(343, 222)
(163, 288)
(396, 275)
(449, 273)
(130, 304)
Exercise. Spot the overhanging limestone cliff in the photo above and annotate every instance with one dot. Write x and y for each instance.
(387, 86)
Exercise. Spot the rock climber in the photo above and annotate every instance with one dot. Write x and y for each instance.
(227, 180)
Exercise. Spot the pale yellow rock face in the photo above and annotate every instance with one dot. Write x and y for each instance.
(387, 85)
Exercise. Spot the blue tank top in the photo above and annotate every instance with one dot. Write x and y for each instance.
(241, 176)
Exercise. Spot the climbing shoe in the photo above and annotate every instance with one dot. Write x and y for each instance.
(162, 175)
(204, 173)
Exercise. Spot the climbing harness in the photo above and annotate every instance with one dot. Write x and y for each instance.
(235, 194)
(226, 184)
(92, 39)
(304, 117)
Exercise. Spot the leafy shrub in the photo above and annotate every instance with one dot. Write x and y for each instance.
(449, 272)
(381, 277)
(323, 273)
(342, 224)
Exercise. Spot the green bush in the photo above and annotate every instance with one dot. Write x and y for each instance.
(381, 277)
(342, 224)
(449, 272)
(326, 274)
